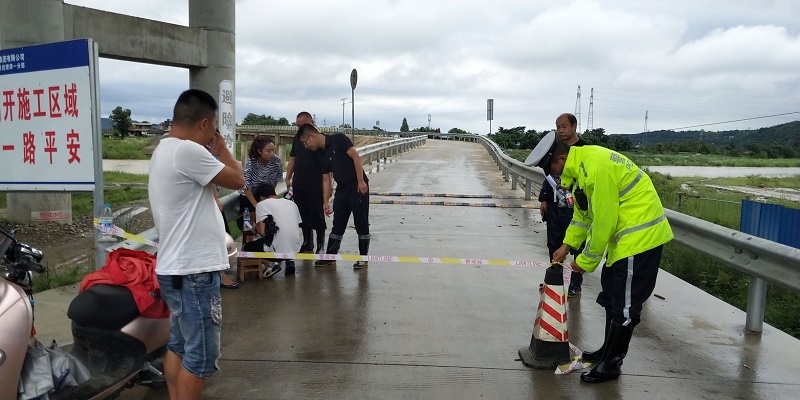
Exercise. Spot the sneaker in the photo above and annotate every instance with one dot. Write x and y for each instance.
(324, 263)
(360, 265)
(289, 267)
(276, 267)
(574, 291)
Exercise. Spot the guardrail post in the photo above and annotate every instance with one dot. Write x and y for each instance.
(756, 303)
(513, 181)
(527, 189)
(505, 174)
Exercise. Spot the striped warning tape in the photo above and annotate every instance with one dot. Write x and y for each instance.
(119, 232)
(461, 196)
(393, 259)
(450, 203)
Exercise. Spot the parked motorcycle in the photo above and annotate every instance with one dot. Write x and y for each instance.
(120, 347)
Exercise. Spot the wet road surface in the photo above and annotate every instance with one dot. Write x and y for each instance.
(397, 330)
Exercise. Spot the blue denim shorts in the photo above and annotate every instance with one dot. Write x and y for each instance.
(195, 319)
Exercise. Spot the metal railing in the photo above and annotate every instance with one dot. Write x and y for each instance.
(763, 260)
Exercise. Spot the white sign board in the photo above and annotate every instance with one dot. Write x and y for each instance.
(226, 122)
(46, 99)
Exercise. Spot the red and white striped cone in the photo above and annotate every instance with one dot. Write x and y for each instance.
(550, 340)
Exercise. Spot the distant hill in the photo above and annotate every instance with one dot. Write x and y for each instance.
(105, 124)
(778, 135)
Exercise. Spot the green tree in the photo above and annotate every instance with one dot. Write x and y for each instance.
(253, 119)
(121, 121)
(404, 126)
(596, 136)
(456, 130)
(423, 129)
(619, 143)
(508, 138)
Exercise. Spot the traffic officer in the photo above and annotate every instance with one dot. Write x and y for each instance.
(618, 214)
(338, 155)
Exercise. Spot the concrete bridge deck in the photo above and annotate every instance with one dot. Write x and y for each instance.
(452, 331)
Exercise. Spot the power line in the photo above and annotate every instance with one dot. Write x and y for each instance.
(735, 120)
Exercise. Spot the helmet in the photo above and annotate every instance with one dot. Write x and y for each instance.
(230, 245)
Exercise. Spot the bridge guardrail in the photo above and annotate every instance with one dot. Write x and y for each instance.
(764, 260)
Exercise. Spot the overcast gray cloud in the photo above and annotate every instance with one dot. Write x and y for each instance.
(684, 62)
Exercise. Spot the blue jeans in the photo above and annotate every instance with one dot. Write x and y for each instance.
(195, 319)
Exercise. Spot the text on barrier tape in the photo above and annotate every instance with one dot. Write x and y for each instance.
(454, 195)
(390, 259)
(117, 231)
(450, 203)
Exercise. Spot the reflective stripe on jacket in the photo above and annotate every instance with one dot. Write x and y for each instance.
(624, 217)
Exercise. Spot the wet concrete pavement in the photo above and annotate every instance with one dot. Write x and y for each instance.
(452, 331)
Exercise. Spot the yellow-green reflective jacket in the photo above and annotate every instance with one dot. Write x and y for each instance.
(624, 217)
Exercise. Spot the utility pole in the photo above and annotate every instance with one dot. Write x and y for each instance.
(429, 122)
(343, 103)
(578, 108)
(644, 133)
(589, 121)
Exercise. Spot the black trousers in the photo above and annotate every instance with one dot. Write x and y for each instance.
(310, 203)
(627, 284)
(349, 201)
(558, 220)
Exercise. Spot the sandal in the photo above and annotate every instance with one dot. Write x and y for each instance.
(233, 285)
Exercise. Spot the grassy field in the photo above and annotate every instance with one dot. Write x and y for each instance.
(126, 149)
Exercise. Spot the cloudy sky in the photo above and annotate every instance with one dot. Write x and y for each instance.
(684, 62)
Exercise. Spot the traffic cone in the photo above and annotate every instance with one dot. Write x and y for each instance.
(550, 340)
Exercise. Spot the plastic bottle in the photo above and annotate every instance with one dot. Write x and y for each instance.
(107, 223)
(246, 226)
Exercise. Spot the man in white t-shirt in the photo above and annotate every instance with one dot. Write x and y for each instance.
(289, 236)
(191, 251)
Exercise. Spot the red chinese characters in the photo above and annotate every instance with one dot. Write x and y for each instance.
(28, 148)
(52, 101)
(50, 144)
(73, 145)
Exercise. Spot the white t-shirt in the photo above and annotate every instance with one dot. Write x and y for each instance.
(289, 238)
(190, 229)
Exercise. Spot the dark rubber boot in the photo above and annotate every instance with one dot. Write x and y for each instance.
(308, 241)
(619, 337)
(333, 248)
(320, 240)
(363, 249)
(596, 356)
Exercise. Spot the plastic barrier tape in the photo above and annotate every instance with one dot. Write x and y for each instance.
(391, 259)
(450, 203)
(117, 231)
(462, 196)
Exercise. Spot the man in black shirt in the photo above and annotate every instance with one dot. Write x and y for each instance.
(556, 205)
(339, 156)
(310, 189)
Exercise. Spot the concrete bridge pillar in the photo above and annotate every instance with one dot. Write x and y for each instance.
(218, 18)
(25, 23)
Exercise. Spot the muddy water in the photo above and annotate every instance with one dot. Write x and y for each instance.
(725, 172)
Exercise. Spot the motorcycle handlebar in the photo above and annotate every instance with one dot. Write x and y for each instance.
(29, 264)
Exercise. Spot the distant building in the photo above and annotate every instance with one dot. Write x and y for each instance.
(140, 128)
